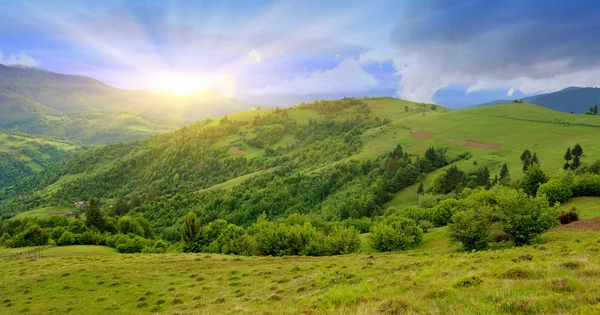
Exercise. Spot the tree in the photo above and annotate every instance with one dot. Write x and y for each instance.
(534, 160)
(134, 202)
(504, 175)
(595, 110)
(406, 108)
(121, 208)
(190, 233)
(420, 189)
(577, 150)
(526, 159)
(568, 157)
(483, 176)
(93, 216)
(532, 179)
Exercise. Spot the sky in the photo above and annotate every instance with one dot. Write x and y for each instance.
(453, 53)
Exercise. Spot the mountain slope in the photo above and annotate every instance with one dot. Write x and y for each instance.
(71, 93)
(575, 99)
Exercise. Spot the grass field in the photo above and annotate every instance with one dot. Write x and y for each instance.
(42, 212)
(561, 274)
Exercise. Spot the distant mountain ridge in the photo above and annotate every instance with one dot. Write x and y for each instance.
(73, 93)
(576, 99)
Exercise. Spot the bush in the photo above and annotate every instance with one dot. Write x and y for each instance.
(129, 225)
(67, 238)
(472, 228)
(395, 233)
(524, 217)
(32, 236)
(556, 190)
(442, 213)
(414, 213)
(587, 185)
(363, 225)
(280, 240)
(568, 217)
(533, 178)
(425, 225)
(341, 241)
(233, 240)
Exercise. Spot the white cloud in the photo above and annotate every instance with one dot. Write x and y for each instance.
(348, 77)
(337, 56)
(510, 92)
(20, 60)
(254, 56)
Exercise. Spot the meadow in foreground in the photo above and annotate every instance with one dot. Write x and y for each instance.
(558, 274)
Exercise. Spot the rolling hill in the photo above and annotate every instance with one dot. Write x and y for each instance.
(575, 99)
(249, 151)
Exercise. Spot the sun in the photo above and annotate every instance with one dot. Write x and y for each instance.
(180, 85)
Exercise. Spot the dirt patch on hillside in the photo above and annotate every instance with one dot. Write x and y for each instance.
(423, 134)
(467, 143)
(238, 151)
(583, 225)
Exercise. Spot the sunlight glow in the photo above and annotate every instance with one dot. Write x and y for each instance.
(180, 85)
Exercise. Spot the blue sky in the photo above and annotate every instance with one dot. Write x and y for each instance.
(449, 52)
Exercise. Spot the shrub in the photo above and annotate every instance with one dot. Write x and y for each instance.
(568, 217)
(32, 236)
(233, 240)
(341, 241)
(395, 233)
(280, 240)
(587, 185)
(556, 190)
(532, 179)
(524, 217)
(442, 213)
(472, 228)
(425, 225)
(129, 225)
(468, 281)
(67, 238)
(363, 225)
(414, 213)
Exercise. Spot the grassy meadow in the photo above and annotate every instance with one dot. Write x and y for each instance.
(559, 274)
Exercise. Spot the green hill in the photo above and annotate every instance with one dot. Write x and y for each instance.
(214, 165)
(22, 155)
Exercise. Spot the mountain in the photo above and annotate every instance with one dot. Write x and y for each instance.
(575, 99)
(72, 93)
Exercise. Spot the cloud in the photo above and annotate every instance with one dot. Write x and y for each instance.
(19, 60)
(510, 92)
(531, 46)
(348, 77)
(254, 56)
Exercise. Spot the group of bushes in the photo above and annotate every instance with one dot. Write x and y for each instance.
(126, 234)
(268, 238)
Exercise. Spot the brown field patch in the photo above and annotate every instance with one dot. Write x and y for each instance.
(423, 134)
(583, 225)
(467, 143)
(238, 151)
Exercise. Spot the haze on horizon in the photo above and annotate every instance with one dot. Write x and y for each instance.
(448, 52)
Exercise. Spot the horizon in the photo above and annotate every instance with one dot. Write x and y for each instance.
(265, 52)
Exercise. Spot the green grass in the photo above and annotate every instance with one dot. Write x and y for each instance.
(587, 207)
(559, 275)
(42, 212)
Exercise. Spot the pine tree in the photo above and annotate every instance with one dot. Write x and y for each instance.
(397, 153)
(595, 109)
(534, 159)
(420, 190)
(504, 173)
(526, 155)
(93, 216)
(483, 176)
(121, 208)
(576, 163)
(190, 233)
(568, 157)
(577, 151)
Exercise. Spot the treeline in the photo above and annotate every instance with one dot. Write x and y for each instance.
(332, 108)
(126, 234)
